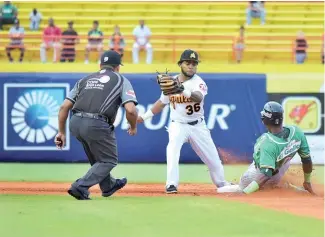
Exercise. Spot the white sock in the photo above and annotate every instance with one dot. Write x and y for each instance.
(230, 189)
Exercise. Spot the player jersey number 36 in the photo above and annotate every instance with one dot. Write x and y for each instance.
(193, 108)
(183, 109)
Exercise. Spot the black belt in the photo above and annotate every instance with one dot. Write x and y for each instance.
(93, 116)
(193, 122)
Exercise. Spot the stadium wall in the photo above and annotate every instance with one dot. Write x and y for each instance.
(31, 102)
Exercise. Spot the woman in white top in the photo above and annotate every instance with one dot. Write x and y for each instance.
(35, 18)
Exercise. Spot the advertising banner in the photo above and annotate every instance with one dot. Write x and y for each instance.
(31, 103)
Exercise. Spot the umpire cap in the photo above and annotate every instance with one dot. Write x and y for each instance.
(189, 55)
(110, 58)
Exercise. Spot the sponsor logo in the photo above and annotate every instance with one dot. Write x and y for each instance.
(131, 93)
(304, 112)
(203, 87)
(289, 150)
(217, 117)
(97, 83)
(31, 115)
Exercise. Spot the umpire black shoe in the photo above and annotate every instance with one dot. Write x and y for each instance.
(171, 189)
(78, 194)
(120, 183)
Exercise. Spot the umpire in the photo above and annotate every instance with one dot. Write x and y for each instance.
(95, 100)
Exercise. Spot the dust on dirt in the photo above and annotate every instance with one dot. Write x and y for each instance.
(281, 199)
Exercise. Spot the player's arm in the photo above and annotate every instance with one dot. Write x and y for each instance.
(199, 92)
(158, 106)
(67, 106)
(131, 114)
(156, 109)
(59, 139)
(195, 96)
(307, 164)
(129, 101)
(267, 167)
(63, 114)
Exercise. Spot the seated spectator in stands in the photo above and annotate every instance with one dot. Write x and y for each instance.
(117, 42)
(240, 44)
(95, 42)
(255, 9)
(301, 47)
(141, 35)
(8, 14)
(51, 39)
(69, 40)
(35, 19)
(16, 35)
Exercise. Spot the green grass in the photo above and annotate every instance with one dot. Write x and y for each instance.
(50, 216)
(53, 216)
(136, 173)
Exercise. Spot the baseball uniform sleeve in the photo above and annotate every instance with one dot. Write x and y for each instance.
(202, 87)
(304, 151)
(73, 94)
(267, 156)
(164, 98)
(128, 94)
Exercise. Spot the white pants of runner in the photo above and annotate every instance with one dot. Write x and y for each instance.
(252, 174)
(201, 141)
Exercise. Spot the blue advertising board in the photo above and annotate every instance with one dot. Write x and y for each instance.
(31, 103)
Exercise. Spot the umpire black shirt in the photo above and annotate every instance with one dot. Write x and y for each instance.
(102, 93)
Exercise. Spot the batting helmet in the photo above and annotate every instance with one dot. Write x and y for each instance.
(189, 55)
(272, 113)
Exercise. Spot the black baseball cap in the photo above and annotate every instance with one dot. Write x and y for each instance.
(111, 57)
(189, 55)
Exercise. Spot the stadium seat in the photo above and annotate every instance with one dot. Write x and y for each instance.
(209, 27)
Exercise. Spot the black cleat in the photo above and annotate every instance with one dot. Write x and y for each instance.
(77, 194)
(120, 183)
(171, 189)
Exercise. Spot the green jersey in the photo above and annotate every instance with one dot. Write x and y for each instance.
(271, 151)
(8, 11)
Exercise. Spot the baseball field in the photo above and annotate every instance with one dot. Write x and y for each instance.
(34, 202)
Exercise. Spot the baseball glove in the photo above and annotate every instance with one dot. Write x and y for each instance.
(168, 84)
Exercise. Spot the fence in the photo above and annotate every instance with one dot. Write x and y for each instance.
(283, 47)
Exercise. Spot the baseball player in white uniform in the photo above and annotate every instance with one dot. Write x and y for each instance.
(187, 123)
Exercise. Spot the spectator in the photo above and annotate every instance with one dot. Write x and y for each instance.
(16, 35)
(95, 42)
(255, 9)
(141, 35)
(117, 42)
(51, 39)
(8, 14)
(35, 19)
(301, 46)
(69, 40)
(240, 44)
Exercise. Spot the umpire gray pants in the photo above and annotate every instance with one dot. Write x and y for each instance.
(98, 140)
